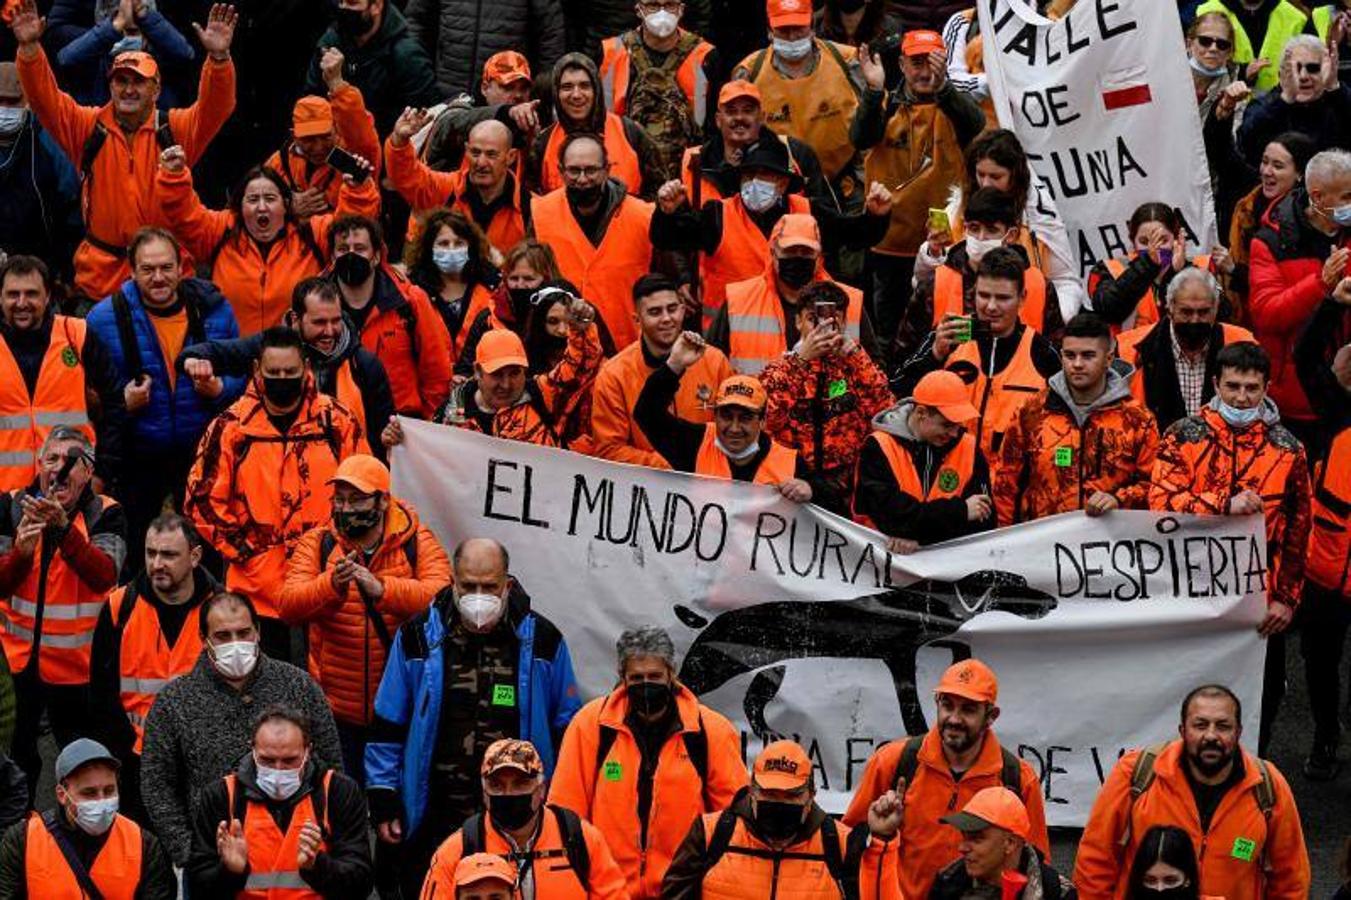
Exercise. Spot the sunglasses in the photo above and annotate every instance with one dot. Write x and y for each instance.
(1206, 42)
(1309, 68)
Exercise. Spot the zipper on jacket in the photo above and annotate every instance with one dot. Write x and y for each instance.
(774, 882)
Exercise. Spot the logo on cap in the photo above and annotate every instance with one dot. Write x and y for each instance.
(781, 764)
(741, 390)
(789, 6)
(964, 674)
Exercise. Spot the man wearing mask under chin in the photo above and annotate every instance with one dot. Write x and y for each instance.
(642, 762)
(774, 840)
(1236, 459)
(521, 827)
(280, 820)
(260, 480)
(203, 722)
(477, 667)
(118, 857)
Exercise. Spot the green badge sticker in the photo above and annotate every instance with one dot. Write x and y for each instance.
(613, 770)
(1244, 848)
(837, 388)
(947, 480)
(69, 358)
(504, 695)
(1064, 456)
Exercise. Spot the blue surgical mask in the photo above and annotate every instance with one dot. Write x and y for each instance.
(128, 44)
(1238, 418)
(450, 260)
(759, 195)
(1209, 73)
(793, 50)
(12, 119)
(1342, 215)
(95, 817)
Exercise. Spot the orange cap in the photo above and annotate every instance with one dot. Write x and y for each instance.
(796, 230)
(787, 13)
(478, 867)
(365, 473)
(946, 391)
(511, 753)
(782, 766)
(921, 43)
(993, 807)
(311, 117)
(506, 67)
(971, 679)
(741, 390)
(500, 347)
(733, 90)
(137, 61)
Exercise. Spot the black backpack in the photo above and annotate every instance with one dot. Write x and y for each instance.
(569, 826)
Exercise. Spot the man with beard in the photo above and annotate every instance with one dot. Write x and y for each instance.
(943, 770)
(1224, 797)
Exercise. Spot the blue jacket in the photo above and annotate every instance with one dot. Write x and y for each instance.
(177, 416)
(399, 755)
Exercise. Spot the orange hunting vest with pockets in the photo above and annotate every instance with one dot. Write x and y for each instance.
(998, 399)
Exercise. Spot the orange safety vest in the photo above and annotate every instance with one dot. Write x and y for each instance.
(779, 464)
(58, 399)
(617, 62)
(147, 661)
(624, 164)
(69, 613)
(950, 296)
(1147, 310)
(742, 253)
(1329, 560)
(1127, 344)
(756, 327)
(116, 871)
(604, 274)
(954, 473)
(816, 109)
(998, 399)
(274, 873)
(749, 868)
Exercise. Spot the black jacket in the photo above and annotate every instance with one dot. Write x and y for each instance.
(460, 35)
(157, 875)
(1156, 362)
(39, 198)
(342, 870)
(1326, 333)
(922, 362)
(1326, 121)
(1044, 882)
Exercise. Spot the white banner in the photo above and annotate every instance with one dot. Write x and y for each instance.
(793, 620)
(1102, 101)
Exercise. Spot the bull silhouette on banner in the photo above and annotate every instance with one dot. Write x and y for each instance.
(890, 626)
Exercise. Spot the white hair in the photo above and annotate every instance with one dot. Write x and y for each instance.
(1328, 165)
(1307, 41)
(1193, 275)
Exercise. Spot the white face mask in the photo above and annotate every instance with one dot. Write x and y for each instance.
(481, 611)
(12, 119)
(793, 50)
(759, 195)
(976, 248)
(1239, 418)
(661, 23)
(279, 784)
(96, 816)
(235, 659)
(750, 450)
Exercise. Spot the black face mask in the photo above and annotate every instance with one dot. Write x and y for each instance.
(797, 271)
(351, 22)
(520, 300)
(777, 821)
(1185, 892)
(511, 811)
(283, 392)
(650, 698)
(585, 196)
(1192, 335)
(352, 269)
(353, 522)
(849, 6)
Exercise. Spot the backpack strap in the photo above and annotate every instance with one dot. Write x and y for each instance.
(409, 318)
(126, 334)
(757, 64)
(908, 763)
(574, 845)
(164, 133)
(92, 145)
(696, 745)
(1264, 792)
(306, 233)
(1011, 774)
(721, 839)
(77, 867)
(606, 740)
(122, 614)
(1142, 777)
(327, 544)
(471, 835)
(844, 66)
(834, 859)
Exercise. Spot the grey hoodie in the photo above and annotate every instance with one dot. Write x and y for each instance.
(1118, 388)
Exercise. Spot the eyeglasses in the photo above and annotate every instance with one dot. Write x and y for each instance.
(1206, 42)
(583, 171)
(1309, 68)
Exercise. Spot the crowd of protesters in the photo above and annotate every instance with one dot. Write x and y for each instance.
(784, 244)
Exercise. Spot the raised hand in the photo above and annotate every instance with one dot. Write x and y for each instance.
(410, 122)
(219, 32)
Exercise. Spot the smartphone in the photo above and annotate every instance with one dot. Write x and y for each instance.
(939, 221)
(825, 312)
(347, 164)
(164, 136)
(884, 44)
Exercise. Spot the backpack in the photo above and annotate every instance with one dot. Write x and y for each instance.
(164, 136)
(574, 844)
(696, 747)
(327, 543)
(1010, 774)
(836, 864)
(656, 102)
(1142, 777)
(126, 331)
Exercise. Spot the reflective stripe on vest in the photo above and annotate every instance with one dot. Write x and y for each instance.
(742, 253)
(147, 662)
(624, 163)
(756, 326)
(1146, 311)
(998, 399)
(1284, 22)
(950, 296)
(817, 109)
(273, 870)
(58, 399)
(116, 870)
(779, 464)
(1329, 561)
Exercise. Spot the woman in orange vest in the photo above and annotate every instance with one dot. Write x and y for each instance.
(452, 262)
(257, 251)
(734, 445)
(1129, 293)
(525, 269)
